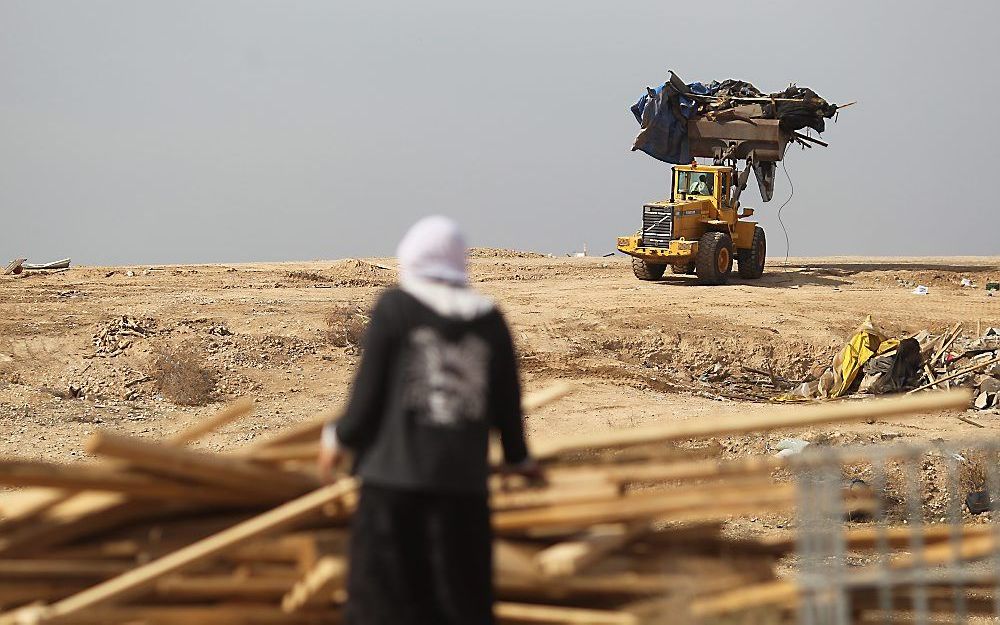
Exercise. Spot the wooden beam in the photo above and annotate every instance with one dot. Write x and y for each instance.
(959, 373)
(317, 586)
(725, 425)
(507, 612)
(42, 500)
(221, 614)
(571, 556)
(551, 496)
(632, 472)
(49, 568)
(234, 474)
(303, 439)
(147, 575)
(87, 477)
(782, 594)
(220, 587)
(644, 506)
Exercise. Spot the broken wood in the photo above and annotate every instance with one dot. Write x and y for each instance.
(83, 477)
(144, 576)
(572, 556)
(317, 586)
(958, 374)
(234, 474)
(837, 412)
(559, 615)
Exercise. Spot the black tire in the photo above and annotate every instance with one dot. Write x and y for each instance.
(647, 271)
(751, 261)
(687, 269)
(715, 258)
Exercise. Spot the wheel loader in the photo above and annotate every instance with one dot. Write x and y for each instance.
(702, 229)
(699, 230)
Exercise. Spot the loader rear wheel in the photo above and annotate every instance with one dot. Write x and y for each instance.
(686, 269)
(647, 271)
(715, 258)
(751, 261)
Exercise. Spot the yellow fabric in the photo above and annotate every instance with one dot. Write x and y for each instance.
(866, 342)
(863, 345)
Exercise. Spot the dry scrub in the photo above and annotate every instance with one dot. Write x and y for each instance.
(180, 375)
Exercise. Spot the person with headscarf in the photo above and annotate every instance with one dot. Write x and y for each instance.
(437, 373)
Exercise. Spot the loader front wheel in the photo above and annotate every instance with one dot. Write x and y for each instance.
(647, 271)
(751, 261)
(685, 269)
(715, 258)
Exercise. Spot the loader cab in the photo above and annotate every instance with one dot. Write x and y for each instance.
(703, 182)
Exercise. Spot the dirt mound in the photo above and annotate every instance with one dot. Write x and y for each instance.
(359, 273)
(499, 252)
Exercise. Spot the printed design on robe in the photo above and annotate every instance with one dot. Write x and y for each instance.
(447, 380)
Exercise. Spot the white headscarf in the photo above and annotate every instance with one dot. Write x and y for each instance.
(433, 267)
(433, 249)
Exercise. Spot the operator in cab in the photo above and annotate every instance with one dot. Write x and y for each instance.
(701, 186)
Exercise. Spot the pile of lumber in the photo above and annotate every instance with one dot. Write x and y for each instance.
(627, 529)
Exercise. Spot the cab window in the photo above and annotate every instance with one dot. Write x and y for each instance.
(695, 182)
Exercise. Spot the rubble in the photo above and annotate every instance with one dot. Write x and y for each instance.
(871, 363)
(664, 112)
(116, 336)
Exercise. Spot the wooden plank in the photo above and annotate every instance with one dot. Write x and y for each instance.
(78, 517)
(27, 504)
(221, 587)
(87, 477)
(945, 344)
(29, 591)
(668, 471)
(49, 568)
(147, 575)
(303, 439)
(572, 556)
(222, 614)
(43, 500)
(232, 474)
(508, 612)
(959, 373)
(782, 594)
(563, 493)
(725, 425)
(643, 506)
(237, 409)
(317, 586)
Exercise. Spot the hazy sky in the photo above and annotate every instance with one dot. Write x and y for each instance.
(161, 132)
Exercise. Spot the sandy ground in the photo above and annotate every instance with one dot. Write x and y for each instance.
(640, 352)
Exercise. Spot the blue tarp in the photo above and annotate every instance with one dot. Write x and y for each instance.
(664, 135)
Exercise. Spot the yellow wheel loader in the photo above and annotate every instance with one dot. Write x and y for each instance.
(699, 230)
(702, 229)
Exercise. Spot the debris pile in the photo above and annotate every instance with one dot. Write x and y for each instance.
(871, 363)
(626, 529)
(114, 337)
(664, 113)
